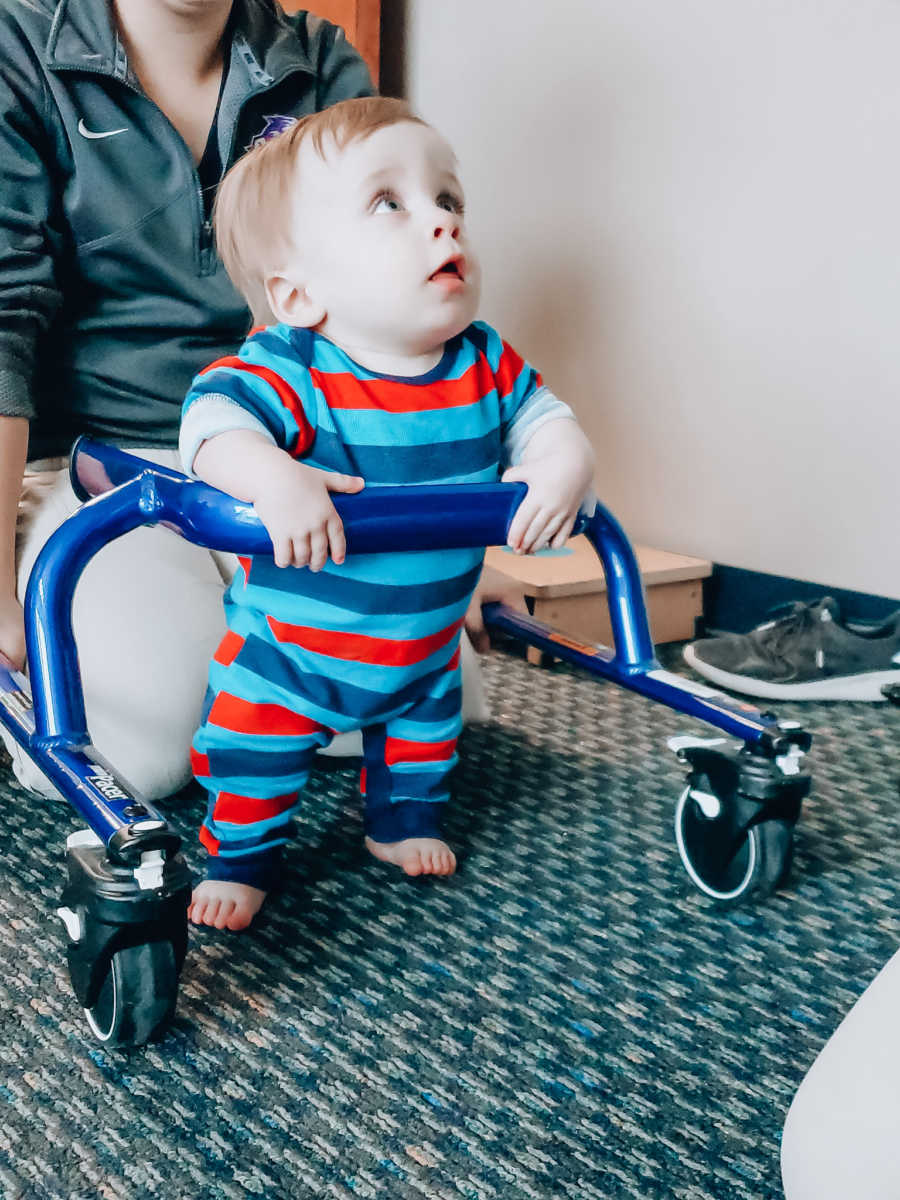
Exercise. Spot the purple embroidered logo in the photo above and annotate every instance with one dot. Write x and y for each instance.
(274, 124)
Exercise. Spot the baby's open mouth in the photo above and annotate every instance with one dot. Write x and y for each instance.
(452, 266)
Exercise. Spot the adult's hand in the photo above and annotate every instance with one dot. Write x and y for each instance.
(12, 631)
(492, 586)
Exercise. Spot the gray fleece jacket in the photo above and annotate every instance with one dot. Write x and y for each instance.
(112, 296)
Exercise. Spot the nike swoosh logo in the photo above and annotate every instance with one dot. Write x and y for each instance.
(104, 133)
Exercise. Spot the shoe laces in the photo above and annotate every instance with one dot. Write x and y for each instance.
(784, 622)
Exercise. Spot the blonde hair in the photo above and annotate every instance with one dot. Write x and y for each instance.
(251, 214)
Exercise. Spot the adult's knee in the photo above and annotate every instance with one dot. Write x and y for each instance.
(804, 1150)
(839, 1136)
(158, 778)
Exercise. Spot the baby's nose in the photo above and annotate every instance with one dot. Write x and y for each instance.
(448, 224)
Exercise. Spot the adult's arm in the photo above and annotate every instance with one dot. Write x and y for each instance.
(13, 452)
(28, 293)
(492, 586)
(342, 74)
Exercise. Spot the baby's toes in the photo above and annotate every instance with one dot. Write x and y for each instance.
(414, 863)
(202, 910)
(224, 909)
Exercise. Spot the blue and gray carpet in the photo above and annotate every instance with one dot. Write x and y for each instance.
(564, 1018)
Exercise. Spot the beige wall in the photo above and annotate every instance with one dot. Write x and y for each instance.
(688, 214)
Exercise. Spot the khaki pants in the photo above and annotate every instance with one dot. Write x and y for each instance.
(147, 617)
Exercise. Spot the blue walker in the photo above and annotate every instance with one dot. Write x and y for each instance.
(124, 906)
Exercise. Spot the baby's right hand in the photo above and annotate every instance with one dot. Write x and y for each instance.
(295, 506)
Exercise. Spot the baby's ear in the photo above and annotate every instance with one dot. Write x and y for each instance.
(291, 303)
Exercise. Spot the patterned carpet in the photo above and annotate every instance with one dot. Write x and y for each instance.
(565, 1018)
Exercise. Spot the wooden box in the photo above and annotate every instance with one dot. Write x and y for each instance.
(569, 590)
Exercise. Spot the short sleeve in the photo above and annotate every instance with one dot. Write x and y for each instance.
(525, 402)
(266, 386)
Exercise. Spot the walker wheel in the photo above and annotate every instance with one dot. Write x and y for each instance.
(137, 995)
(727, 859)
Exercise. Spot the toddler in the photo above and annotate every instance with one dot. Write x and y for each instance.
(346, 233)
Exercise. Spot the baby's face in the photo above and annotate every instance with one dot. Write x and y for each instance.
(381, 243)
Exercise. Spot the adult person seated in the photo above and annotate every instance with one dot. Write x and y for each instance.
(118, 118)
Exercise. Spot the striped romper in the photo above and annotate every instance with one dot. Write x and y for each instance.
(372, 644)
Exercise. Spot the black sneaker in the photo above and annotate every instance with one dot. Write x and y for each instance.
(807, 654)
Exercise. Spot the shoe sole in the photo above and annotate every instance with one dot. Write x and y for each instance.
(842, 687)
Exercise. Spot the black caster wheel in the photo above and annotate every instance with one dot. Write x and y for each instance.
(137, 995)
(127, 938)
(726, 858)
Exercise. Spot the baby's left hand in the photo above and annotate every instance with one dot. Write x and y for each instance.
(558, 473)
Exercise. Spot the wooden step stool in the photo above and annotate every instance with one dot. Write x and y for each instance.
(569, 590)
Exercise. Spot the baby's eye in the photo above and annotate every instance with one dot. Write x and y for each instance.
(452, 203)
(386, 202)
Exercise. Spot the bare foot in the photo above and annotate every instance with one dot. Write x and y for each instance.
(417, 856)
(225, 905)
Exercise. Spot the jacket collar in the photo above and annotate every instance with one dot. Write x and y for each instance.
(83, 36)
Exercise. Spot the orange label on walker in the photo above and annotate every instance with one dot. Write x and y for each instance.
(589, 648)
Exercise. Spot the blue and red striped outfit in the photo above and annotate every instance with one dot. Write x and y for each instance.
(372, 644)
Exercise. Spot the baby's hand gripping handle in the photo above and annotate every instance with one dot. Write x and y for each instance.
(414, 517)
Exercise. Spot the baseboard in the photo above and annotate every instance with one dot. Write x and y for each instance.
(735, 600)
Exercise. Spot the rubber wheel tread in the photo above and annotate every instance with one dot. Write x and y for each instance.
(137, 998)
(762, 853)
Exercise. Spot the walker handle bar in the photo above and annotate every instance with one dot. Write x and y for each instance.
(129, 491)
(414, 517)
